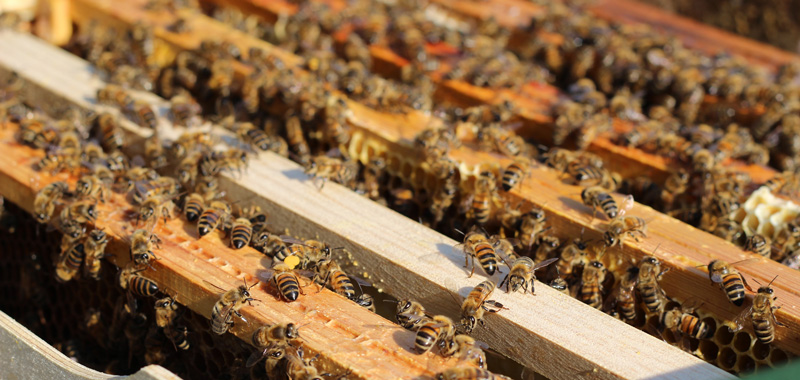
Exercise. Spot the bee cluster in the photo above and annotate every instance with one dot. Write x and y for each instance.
(607, 72)
(769, 21)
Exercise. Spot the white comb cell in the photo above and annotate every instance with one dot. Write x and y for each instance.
(764, 213)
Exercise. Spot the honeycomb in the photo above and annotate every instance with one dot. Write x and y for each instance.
(58, 312)
(764, 213)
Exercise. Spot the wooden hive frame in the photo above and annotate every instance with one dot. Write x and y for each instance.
(567, 219)
(306, 210)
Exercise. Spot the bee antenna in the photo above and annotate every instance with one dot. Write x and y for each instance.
(654, 251)
(392, 301)
(773, 280)
(459, 231)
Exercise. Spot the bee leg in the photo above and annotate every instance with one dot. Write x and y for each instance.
(504, 281)
(473, 267)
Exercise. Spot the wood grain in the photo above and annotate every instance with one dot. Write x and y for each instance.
(398, 254)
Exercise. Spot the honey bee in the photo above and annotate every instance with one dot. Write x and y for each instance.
(584, 175)
(649, 274)
(332, 274)
(531, 226)
(676, 184)
(161, 186)
(69, 262)
(286, 281)
(130, 280)
(193, 207)
(56, 161)
(254, 136)
(184, 110)
(515, 173)
(142, 242)
(228, 305)
(759, 244)
(154, 152)
(469, 373)
(192, 142)
(626, 298)
(155, 207)
(572, 257)
(44, 203)
(410, 314)
(446, 170)
(94, 248)
(307, 252)
(275, 356)
(92, 186)
(117, 162)
(215, 216)
(762, 313)
(79, 212)
(108, 132)
(366, 301)
(729, 279)
(213, 163)
(270, 336)
(466, 349)
(323, 168)
(523, 273)
(480, 206)
(299, 368)
(596, 196)
(435, 330)
(178, 336)
(591, 288)
(682, 321)
(166, 312)
(241, 232)
(117, 96)
(297, 142)
(186, 170)
(560, 284)
(623, 227)
(476, 304)
(144, 113)
(373, 172)
(504, 141)
(477, 245)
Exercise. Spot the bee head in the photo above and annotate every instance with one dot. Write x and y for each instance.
(609, 239)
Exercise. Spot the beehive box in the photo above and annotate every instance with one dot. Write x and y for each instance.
(397, 255)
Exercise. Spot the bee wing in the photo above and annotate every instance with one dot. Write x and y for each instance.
(266, 274)
(627, 204)
(360, 281)
(256, 357)
(716, 277)
(545, 263)
(291, 240)
(738, 323)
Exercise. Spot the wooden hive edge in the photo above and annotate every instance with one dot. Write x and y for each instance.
(404, 261)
